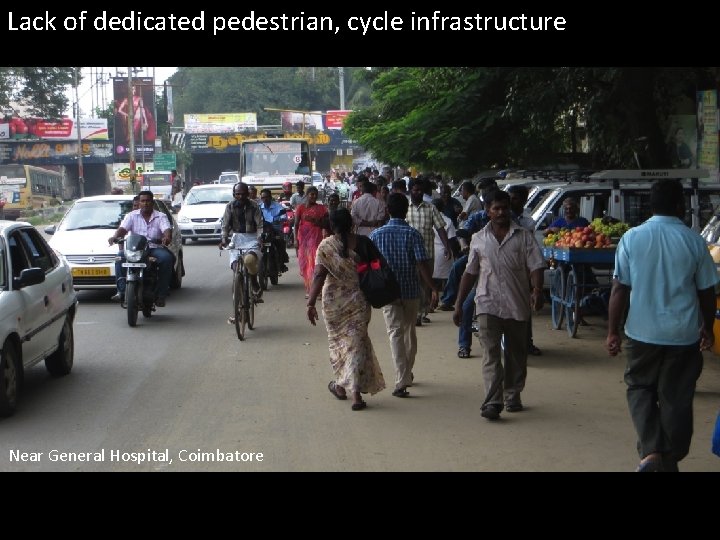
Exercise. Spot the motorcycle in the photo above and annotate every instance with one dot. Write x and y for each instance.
(270, 265)
(287, 228)
(142, 277)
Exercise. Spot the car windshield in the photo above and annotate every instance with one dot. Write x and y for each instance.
(208, 196)
(95, 215)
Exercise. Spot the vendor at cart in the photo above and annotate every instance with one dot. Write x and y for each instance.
(570, 218)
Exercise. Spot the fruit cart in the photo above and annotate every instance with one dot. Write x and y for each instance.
(570, 280)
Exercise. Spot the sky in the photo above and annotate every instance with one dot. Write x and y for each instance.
(91, 89)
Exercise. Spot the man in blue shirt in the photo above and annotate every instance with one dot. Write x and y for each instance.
(404, 249)
(275, 214)
(665, 271)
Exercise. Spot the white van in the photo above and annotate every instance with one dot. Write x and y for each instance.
(625, 195)
(228, 177)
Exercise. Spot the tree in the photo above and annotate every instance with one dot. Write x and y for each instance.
(41, 89)
(460, 120)
(251, 89)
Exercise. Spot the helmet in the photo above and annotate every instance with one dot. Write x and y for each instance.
(287, 186)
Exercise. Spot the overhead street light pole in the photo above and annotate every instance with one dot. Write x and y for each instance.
(131, 131)
(81, 173)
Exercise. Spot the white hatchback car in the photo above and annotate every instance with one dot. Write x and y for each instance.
(37, 309)
(82, 237)
(200, 217)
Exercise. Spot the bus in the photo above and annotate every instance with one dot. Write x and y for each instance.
(25, 187)
(269, 163)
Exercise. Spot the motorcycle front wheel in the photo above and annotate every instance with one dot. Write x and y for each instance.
(132, 302)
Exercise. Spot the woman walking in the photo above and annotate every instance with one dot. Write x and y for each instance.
(309, 224)
(346, 313)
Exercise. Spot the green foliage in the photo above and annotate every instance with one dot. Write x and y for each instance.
(41, 89)
(252, 89)
(461, 120)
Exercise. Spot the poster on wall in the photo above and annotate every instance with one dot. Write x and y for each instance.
(707, 130)
(141, 102)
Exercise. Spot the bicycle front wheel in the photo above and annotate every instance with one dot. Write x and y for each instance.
(238, 311)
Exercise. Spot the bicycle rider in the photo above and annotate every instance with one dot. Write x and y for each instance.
(244, 219)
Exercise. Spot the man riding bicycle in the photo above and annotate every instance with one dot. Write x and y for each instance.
(244, 219)
(274, 215)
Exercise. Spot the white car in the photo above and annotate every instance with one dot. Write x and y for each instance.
(82, 237)
(200, 217)
(37, 309)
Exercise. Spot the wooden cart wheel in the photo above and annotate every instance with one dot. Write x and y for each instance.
(557, 296)
(572, 302)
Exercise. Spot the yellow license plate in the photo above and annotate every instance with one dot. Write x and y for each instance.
(92, 271)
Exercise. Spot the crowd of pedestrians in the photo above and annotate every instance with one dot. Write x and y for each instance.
(482, 257)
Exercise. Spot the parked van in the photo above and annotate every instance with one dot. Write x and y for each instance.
(625, 195)
(160, 183)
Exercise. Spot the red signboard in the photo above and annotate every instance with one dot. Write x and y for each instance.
(335, 119)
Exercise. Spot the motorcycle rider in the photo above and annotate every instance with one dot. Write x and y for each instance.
(244, 219)
(121, 272)
(287, 193)
(152, 224)
(274, 216)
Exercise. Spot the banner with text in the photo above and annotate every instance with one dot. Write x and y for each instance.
(220, 122)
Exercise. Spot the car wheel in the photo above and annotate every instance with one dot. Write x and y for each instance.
(177, 275)
(60, 362)
(9, 379)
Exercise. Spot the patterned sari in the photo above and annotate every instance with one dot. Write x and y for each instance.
(347, 315)
(309, 235)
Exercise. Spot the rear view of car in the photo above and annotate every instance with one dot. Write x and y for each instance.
(202, 210)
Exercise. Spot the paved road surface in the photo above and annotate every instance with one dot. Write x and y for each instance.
(182, 382)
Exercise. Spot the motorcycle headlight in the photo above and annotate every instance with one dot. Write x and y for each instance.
(133, 255)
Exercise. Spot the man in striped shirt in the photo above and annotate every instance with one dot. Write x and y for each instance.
(404, 249)
(425, 217)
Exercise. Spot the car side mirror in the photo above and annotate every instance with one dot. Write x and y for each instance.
(50, 229)
(29, 276)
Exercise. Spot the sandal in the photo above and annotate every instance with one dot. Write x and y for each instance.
(401, 392)
(359, 406)
(333, 390)
(464, 352)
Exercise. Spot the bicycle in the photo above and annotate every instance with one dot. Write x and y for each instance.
(243, 299)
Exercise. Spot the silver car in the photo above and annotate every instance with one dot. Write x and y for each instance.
(82, 237)
(37, 309)
(200, 217)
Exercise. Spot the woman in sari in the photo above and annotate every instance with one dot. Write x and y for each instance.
(310, 219)
(346, 313)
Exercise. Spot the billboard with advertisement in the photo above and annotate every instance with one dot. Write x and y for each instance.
(64, 129)
(220, 122)
(298, 121)
(335, 119)
(144, 126)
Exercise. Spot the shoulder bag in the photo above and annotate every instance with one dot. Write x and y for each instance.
(377, 280)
